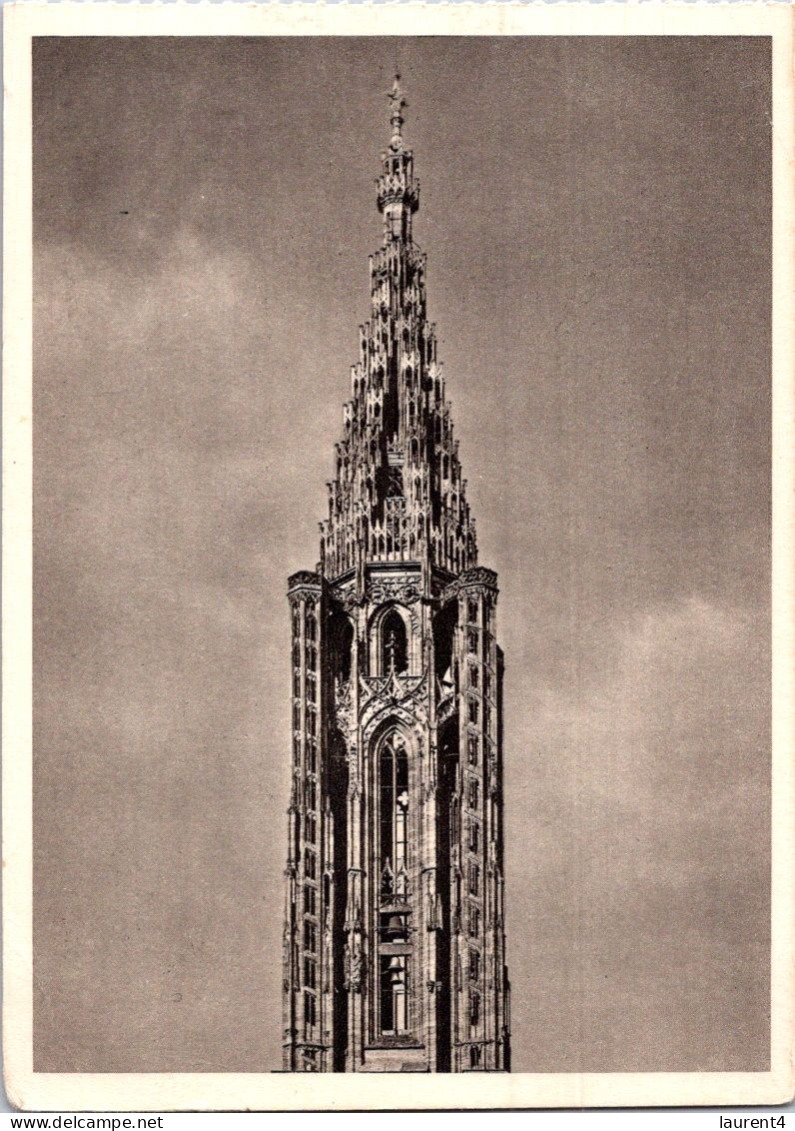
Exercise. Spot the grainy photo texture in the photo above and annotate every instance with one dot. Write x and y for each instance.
(570, 785)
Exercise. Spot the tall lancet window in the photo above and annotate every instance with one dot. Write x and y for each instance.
(394, 852)
(394, 777)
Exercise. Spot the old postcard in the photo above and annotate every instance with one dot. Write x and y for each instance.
(489, 778)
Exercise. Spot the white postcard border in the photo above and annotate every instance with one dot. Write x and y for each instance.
(276, 1091)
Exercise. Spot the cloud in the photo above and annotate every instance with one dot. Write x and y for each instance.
(643, 864)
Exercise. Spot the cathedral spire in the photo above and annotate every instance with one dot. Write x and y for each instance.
(398, 493)
(394, 947)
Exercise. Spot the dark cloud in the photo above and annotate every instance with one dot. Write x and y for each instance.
(597, 217)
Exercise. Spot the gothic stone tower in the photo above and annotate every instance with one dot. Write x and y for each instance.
(394, 948)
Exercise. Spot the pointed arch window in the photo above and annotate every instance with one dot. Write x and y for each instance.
(394, 644)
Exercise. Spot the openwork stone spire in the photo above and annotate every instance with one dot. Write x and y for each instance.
(398, 493)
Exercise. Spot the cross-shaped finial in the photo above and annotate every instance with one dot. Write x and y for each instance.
(396, 95)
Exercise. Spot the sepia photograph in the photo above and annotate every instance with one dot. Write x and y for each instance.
(402, 527)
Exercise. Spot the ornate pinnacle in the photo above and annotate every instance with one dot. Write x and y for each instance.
(396, 117)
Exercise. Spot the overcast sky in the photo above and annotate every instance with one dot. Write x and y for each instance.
(597, 218)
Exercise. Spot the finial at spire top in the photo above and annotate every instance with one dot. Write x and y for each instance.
(399, 104)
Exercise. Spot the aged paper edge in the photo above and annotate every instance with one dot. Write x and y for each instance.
(273, 1091)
